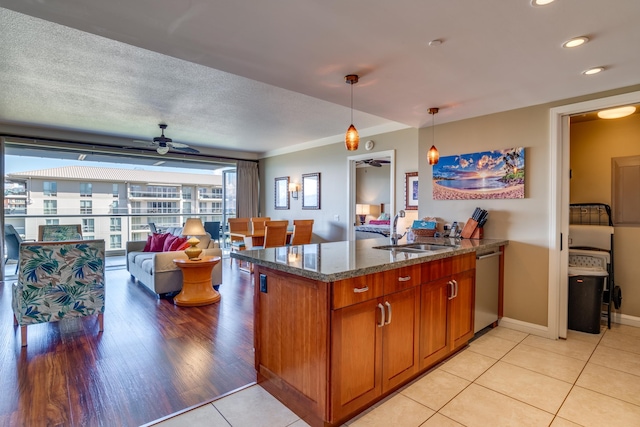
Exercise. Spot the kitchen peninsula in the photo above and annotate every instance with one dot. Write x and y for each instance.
(340, 325)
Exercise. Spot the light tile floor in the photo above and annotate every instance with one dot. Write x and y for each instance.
(503, 378)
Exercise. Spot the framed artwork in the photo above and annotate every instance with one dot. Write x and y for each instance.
(282, 192)
(496, 174)
(311, 191)
(411, 191)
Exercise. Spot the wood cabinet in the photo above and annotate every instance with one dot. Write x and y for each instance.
(330, 350)
(447, 308)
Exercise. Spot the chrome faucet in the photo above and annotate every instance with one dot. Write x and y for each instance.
(395, 237)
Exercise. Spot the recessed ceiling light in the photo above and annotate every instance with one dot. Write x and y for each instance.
(594, 70)
(158, 163)
(82, 156)
(575, 42)
(540, 2)
(616, 113)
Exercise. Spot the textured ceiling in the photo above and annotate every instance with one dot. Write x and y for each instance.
(264, 77)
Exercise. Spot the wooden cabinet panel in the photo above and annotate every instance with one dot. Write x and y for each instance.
(357, 289)
(401, 278)
(356, 357)
(400, 337)
(434, 343)
(462, 309)
(291, 327)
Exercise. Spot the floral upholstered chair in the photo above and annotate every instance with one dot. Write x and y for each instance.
(55, 233)
(58, 280)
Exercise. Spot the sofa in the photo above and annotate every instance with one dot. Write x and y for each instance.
(158, 272)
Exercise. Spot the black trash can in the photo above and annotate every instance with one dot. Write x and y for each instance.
(585, 302)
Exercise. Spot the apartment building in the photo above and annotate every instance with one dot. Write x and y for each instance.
(111, 203)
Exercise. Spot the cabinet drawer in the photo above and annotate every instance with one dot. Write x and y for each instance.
(447, 266)
(351, 291)
(402, 278)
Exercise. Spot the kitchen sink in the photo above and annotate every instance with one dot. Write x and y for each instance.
(416, 247)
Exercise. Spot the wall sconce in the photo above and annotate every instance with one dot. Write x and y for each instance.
(293, 189)
(363, 211)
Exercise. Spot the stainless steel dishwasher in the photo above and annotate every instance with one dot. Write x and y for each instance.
(487, 286)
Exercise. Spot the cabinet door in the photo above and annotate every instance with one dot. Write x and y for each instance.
(356, 357)
(462, 309)
(400, 358)
(434, 342)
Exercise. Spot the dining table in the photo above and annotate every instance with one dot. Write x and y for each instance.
(256, 238)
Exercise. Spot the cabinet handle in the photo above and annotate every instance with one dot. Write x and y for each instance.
(404, 279)
(389, 309)
(455, 287)
(381, 324)
(360, 290)
(451, 290)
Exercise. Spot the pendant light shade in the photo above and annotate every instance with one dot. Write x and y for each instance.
(351, 138)
(433, 156)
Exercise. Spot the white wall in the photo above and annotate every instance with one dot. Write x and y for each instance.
(331, 162)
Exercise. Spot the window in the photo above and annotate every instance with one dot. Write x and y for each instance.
(115, 190)
(86, 189)
(216, 207)
(50, 207)
(50, 188)
(162, 207)
(88, 225)
(86, 207)
(52, 222)
(186, 207)
(115, 241)
(187, 193)
(115, 224)
(136, 207)
(202, 206)
(217, 192)
(88, 237)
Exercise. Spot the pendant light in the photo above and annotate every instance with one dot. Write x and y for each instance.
(351, 139)
(433, 156)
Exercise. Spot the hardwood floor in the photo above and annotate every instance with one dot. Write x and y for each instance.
(152, 359)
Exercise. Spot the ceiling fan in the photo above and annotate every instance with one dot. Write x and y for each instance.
(376, 163)
(163, 144)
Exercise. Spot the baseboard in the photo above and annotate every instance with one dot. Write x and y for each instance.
(529, 328)
(625, 319)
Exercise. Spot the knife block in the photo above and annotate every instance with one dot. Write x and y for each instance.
(478, 233)
(469, 229)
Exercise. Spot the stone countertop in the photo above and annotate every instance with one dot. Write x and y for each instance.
(328, 262)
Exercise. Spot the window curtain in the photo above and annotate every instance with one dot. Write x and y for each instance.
(247, 196)
(2, 174)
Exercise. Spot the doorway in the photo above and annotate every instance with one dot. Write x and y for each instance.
(351, 194)
(559, 154)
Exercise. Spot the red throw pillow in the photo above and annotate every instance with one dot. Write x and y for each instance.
(168, 242)
(177, 243)
(147, 247)
(183, 246)
(157, 242)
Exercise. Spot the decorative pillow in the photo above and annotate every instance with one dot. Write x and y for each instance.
(183, 246)
(157, 242)
(384, 216)
(177, 242)
(380, 222)
(147, 247)
(168, 241)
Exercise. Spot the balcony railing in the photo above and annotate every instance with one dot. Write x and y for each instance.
(154, 195)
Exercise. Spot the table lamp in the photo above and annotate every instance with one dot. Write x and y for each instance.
(363, 211)
(193, 227)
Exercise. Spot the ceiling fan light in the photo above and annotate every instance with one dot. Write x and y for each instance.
(162, 150)
(352, 139)
(433, 156)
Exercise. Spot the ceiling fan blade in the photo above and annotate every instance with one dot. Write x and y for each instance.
(178, 145)
(186, 149)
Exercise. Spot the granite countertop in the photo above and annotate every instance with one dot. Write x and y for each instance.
(333, 261)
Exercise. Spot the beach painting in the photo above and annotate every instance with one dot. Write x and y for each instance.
(497, 174)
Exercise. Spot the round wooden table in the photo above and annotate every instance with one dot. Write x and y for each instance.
(197, 288)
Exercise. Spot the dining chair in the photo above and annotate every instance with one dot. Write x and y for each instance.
(257, 223)
(275, 234)
(302, 234)
(239, 226)
(302, 221)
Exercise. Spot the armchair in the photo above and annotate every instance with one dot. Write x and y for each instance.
(58, 280)
(55, 233)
